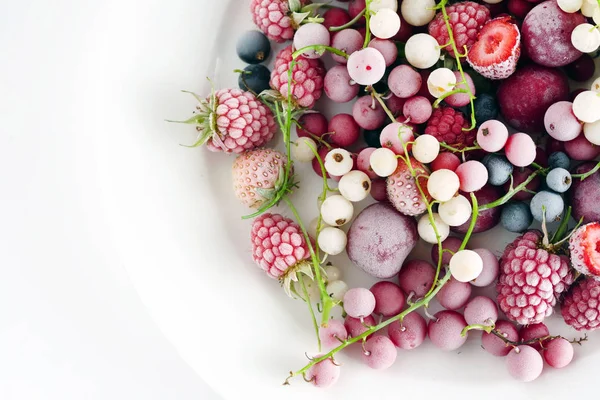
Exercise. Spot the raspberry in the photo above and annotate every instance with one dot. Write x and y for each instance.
(531, 279)
(402, 191)
(273, 18)
(308, 77)
(581, 307)
(279, 248)
(232, 121)
(466, 19)
(447, 124)
(257, 176)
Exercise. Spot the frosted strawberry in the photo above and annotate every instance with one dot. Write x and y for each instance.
(275, 18)
(232, 121)
(402, 190)
(584, 247)
(531, 278)
(258, 175)
(466, 19)
(308, 77)
(279, 248)
(581, 306)
(496, 52)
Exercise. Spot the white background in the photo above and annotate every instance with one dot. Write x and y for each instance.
(71, 324)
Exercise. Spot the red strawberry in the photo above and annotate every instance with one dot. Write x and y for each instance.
(496, 52)
(584, 247)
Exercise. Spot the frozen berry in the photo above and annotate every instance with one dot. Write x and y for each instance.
(445, 331)
(416, 277)
(524, 363)
(389, 299)
(558, 353)
(473, 175)
(499, 169)
(379, 352)
(338, 85)
(559, 159)
(454, 294)
(490, 270)
(559, 180)
(492, 135)
(410, 333)
(313, 123)
(547, 205)
(516, 217)
(496, 346)
(255, 78)
(486, 108)
(520, 149)
(253, 47)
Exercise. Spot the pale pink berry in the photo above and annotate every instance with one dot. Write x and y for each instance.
(395, 136)
(363, 163)
(524, 363)
(380, 352)
(404, 81)
(332, 334)
(409, 334)
(418, 109)
(445, 330)
(481, 310)
(491, 268)
(558, 353)
(324, 373)
(416, 276)
(368, 113)
(454, 294)
(520, 149)
(473, 175)
(492, 135)
(359, 302)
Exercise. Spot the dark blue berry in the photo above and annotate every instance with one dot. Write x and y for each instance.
(499, 169)
(372, 138)
(486, 108)
(255, 78)
(253, 47)
(559, 180)
(552, 203)
(558, 159)
(516, 217)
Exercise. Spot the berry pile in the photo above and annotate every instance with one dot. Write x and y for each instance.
(448, 133)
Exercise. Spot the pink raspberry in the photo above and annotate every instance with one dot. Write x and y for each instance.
(466, 19)
(581, 307)
(308, 76)
(531, 279)
(279, 248)
(273, 18)
(232, 121)
(447, 124)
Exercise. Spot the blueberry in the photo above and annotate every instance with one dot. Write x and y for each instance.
(486, 108)
(499, 169)
(559, 180)
(558, 159)
(372, 138)
(255, 78)
(516, 217)
(253, 47)
(553, 203)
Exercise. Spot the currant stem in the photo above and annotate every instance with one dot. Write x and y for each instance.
(425, 300)
(368, 25)
(502, 200)
(349, 24)
(590, 172)
(319, 49)
(310, 308)
(458, 55)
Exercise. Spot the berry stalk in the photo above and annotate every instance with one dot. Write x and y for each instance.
(320, 49)
(368, 25)
(424, 301)
(502, 200)
(458, 55)
(590, 172)
(349, 24)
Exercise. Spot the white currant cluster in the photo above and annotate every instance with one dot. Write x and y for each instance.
(337, 210)
(585, 37)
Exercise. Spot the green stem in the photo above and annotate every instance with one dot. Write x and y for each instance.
(502, 200)
(458, 55)
(349, 24)
(310, 309)
(463, 150)
(368, 26)
(325, 299)
(475, 206)
(590, 172)
(319, 49)
(478, 327)
(424, 301)
(383, 105)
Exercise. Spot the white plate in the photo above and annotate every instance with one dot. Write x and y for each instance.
(181, 239)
